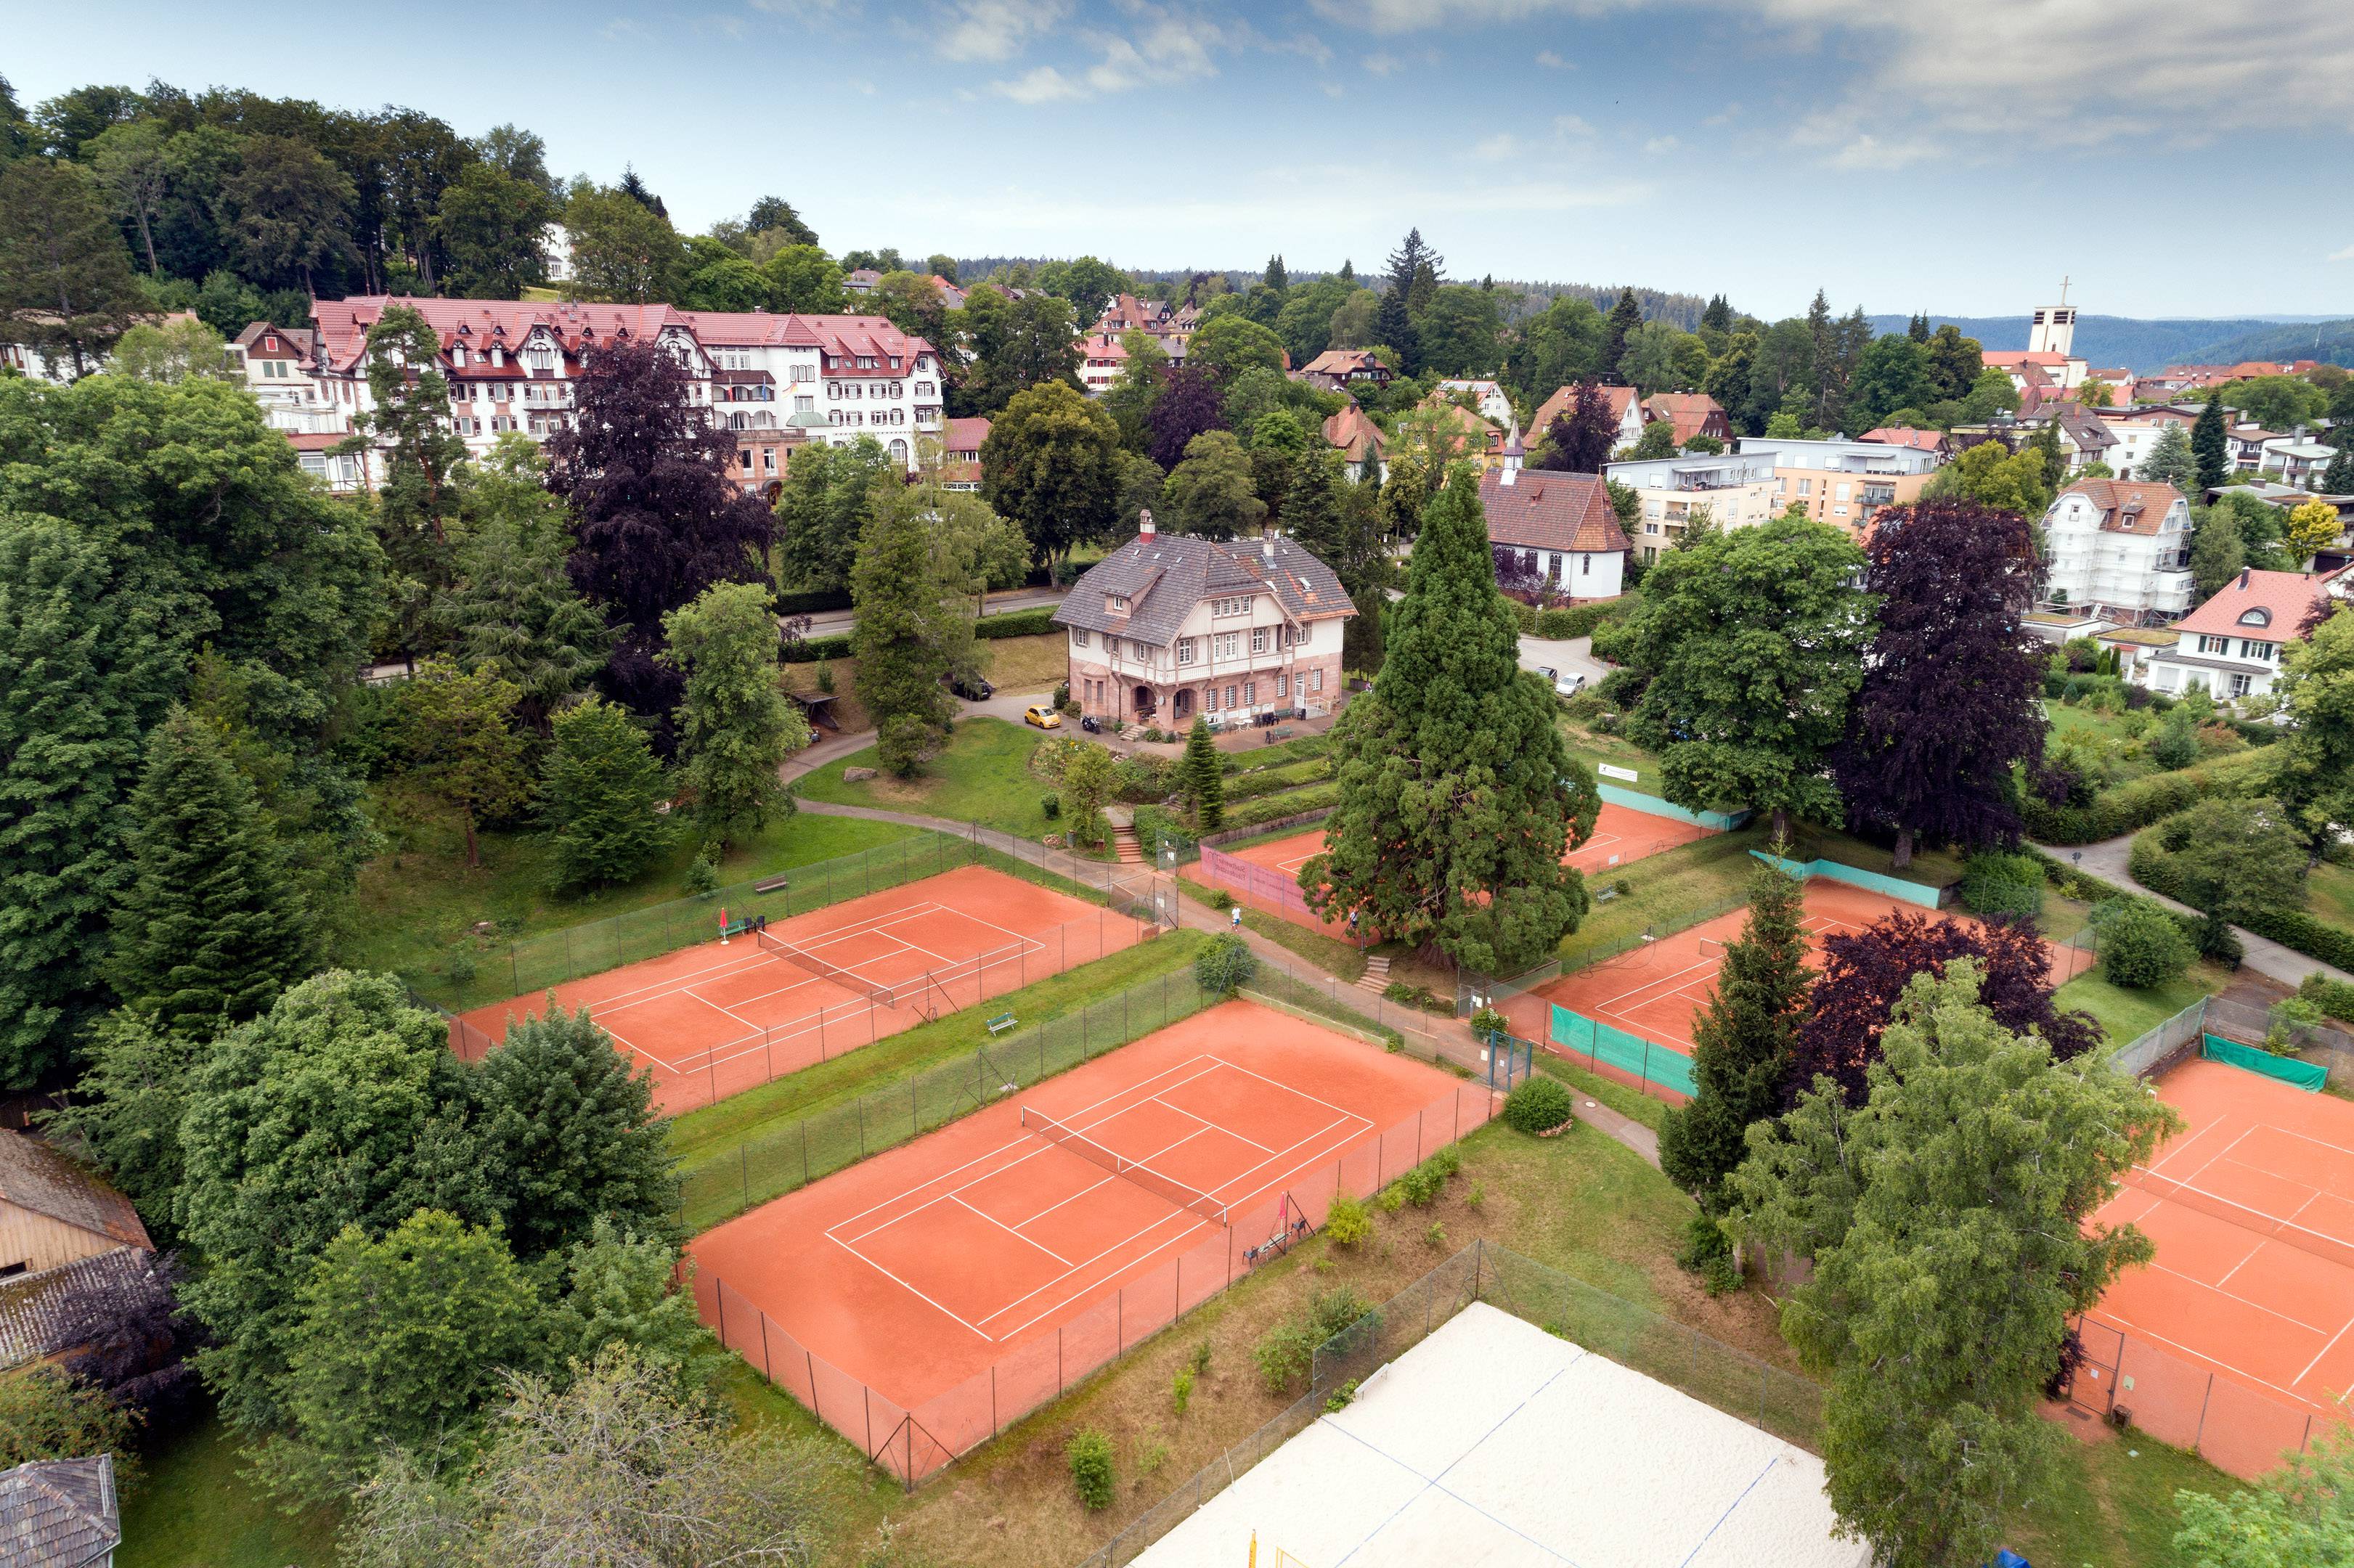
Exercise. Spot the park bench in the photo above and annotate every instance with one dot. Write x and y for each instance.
(1001, 1023)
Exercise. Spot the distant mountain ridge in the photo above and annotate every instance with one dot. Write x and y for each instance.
(2151, 345)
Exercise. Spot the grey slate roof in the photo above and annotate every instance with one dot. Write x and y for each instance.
(34, 1319)
(60, 1513)
(1164, 575)
(35, 1176)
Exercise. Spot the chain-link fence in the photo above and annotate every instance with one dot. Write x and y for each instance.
(2158, 1049)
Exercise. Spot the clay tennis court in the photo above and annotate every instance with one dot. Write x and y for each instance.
(1654, 990)
(717, 1019)
(2251, 1208)
(971, 1273)
(1267, 877)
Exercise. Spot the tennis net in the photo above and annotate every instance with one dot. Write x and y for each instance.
(1144, 1176)
(2320, 1243)
(802, 958)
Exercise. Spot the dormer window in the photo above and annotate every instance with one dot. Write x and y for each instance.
(498, 354)
(1116, 604)
(2259, 616)
(458, 356)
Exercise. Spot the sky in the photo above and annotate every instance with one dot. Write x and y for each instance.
(2169, 157)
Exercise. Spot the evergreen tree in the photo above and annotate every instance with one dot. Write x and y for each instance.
(408, 431)
(2170, 462)
(2337, 479)
(2208, 450)
(512, 607)
(1393, 327)
(1718, 316)
(94, 651)
(596, 797)
(574, 1123)
(902, 657)
(735, 726)
(1458, 799)
(1204, 782)
(66, 285)
(1624, 318)
(2045, 444)
(1953, 683)
(1742, 1038)
(209, 929)
(1918, 328)
(1277, 278)
(461, 746)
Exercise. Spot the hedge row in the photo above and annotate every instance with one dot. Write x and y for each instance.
(2129, 806)
(2156, 870)
(2335, 998)
(1288, 803)
(1017, 623)
(810, 601)
(810, 650)
(1268, 780)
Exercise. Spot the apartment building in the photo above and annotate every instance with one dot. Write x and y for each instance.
(1169, 626)
(777, 380)
(2119, 550)
(1735, 490)
(1843, 482)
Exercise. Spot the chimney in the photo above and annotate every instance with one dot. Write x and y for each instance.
(1267, 545)
(1144, 523)
(1511, 472)
(2243, 576)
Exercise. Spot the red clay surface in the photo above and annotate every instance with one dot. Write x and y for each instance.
(943, 1275)
(717, 1019)
(2251, 1208)
(1654, 990)
(1621, 836)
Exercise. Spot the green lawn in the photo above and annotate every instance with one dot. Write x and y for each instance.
(2126, 1014)
(982, 776)
(2066, 720)
(1668, 892)
(2113, 1503)
(194, 1509)
(2329, 895)
(418, 898)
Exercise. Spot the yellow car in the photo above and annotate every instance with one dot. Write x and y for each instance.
(1041, 716)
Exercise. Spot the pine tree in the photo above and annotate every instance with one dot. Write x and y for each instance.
(1624, 318)
(2337, 479)
(1277, 278)
(1206, 786)
(2207, 445)
(1718, 316)
(408, 429)
(1918, 329)
(1742, 1039)
(1456, 797)
(901, 660)
(2171, 463)
(597, 795)
(513, 605)
(209, 929)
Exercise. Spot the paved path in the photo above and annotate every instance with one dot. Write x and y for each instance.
(2107, 862)
(1449, 1036)
(832, 622)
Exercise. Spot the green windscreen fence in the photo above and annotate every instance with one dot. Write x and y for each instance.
(2309, 1075)
(1631, 1053)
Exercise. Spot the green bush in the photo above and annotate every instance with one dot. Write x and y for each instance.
(1487, 1021)
(2176, 742)
(1138, 779)
(1350, 1222)
(1538, 1104)
(1284, 803)
(1016, 623)
(2127, 807)
(2154, 869)
(2288, 1020)
(1285, 1355)
(1088, 1454)
(702, 878)
(1050, 805)
(1996, 884)
(810, 650)
(2335, 998)
(1181, 1389)
(1421, 1186)
(2142, 944)
(1224, 964)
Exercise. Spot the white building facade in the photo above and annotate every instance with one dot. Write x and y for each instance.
(2120, 550)
(1735, 490)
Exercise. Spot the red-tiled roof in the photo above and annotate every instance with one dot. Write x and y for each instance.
(1542, 510)
(1905, 436)
(1688, 414)
(965, 435)
(484, 323)
(1352, 430)
(2277, 601)
(2127, 508)
(1617, 397)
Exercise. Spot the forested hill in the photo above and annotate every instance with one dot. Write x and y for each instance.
(2151, 345)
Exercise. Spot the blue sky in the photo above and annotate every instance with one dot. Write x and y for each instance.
(2174, 157)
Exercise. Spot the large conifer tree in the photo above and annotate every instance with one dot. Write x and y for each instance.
(1742, 1044)
(2207, 444)
(1456, 797)
(902, 657)
(209, 929)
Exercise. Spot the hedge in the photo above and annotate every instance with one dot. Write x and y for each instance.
(1288, 803)
(2335, 998)
(2129, 806)
(1268, 780)
(1580, 620)
(1016, 623)
(809, 601)
(810, 650)
(2155, 869)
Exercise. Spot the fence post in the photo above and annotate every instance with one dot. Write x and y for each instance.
(805, 1151)
(719, 1295)
(744, 1171)
(2200, 1430)
(1119, 1322)
(861, 1127)
(869, 1394)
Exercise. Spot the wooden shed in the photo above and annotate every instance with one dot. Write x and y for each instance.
(54, 1212)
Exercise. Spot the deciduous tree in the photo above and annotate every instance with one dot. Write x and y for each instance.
(2312, 525)
(2237, 859)
(596, 797)
(1188, 406)
(903, 637)
(1951, 1247)
(1952, 694)
(512, 605)
(803, 278)
(1753, 641)
(1211, 493)
(408, 431)
(1865, 972)
(291, 213)
(1456, 797)
(172, 351)
(735, 726)
(461, 745)
(1581, 436)
(823, 507)
(621, 248)
(1992, 475)
(1051, 464)
(2315, 782)
(623, 1288)
(493, 224)
(2301, 1517)
(1742, 1039)
(208, 929)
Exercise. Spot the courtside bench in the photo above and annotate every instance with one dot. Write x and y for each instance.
(1001, 1023)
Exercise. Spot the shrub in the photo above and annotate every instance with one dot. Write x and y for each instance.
(702, 878)
(1225, 964)
(1434, 1238)
(1487, 1020)
(1477, 1198)
(2335, 998)
(2176, 742)
(1703, 1239)
(1088, 1453)
(1181, 1389)
(1062, 694)
(1221, 899)
(2289, 1018)
(1390, 1199)
(1539, 1103)
(1340, 1398)
(2142, 944)
(1153, 732)
(825, 675)
(1051, 804)
(1421, 1186)
(1201, 1357)
(810, 650)
(1139, 780)
(1996, 884)
(1350, 1222)
(1285, 1355)
(1016, 623)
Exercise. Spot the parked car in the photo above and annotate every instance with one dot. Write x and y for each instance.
(971, 688)
(1568, 685)
(1041, 716)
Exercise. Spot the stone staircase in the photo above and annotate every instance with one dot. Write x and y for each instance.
(1376, 977)
(1124, 845)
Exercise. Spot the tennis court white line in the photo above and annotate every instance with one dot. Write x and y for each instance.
(905, 1285)
(1074, 1198)
(2243, 1300)
(1191, 1221)
(958, 1199)
(2119, 1322)
(1189, 1115)
(2326, 1349)
(935, 1180)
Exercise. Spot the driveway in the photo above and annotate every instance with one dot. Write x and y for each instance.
(832, 622)
(2109, 861)
(1570, 656)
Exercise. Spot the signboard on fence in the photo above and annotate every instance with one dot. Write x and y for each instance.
(1611, 770)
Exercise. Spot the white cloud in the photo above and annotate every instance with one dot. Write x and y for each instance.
(1552, 61)
(1659, 144)
(1169, 48)
(993, 29)
(1724, 116)
(1866, 151)
(1504, 144)
(1334, 90)
(1381, 64)
(1572, 125)
(1044, 84)
(2345, 255)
